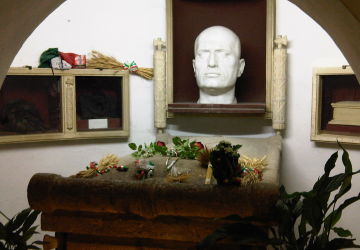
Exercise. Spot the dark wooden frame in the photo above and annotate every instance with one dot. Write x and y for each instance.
(253, 21)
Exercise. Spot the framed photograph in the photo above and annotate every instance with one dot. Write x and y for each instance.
(335, 106)
(252, 21)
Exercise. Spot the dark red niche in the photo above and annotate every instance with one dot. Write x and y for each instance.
(246, 18)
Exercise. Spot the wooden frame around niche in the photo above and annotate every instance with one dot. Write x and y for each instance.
(68, 125)
(259, 103)
(333, 85)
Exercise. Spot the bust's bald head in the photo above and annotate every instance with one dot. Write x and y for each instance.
(227, 34)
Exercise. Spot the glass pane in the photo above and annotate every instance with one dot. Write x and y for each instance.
(98, 103)
(338, 88)
(30, 104)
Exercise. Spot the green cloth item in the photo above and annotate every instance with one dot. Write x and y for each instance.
(46, 56)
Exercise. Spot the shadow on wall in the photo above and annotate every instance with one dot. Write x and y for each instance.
(17, 28)
(221, 125)
(334, 146)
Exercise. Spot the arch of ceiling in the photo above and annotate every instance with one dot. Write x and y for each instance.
(340, 18)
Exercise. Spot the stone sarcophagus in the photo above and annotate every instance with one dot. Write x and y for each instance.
(117, 211)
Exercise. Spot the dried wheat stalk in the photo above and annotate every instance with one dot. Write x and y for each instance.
(105, 163)
(246, 161)
(255, 167)
(101, 61)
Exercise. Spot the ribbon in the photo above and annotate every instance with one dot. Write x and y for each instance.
(132, 67)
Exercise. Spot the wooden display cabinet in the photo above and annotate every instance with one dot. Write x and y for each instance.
(335, 106)
(42, 105)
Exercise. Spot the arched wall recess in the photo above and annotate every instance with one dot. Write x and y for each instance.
(341, 20)
(19, 19)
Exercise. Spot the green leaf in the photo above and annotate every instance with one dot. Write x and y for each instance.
(332, 219)
(30, 220)
(323, 199)
(32, 247)
(160, 149)
(322, 240)
(37, 242)
(330, 163)
(335, 216)
(237, 147)
(346, 160)
(342, 232)
(303, 235)
(29, 233)
(139, 148)
(346, 185)
(334, 182)
(340, 243)
(349, 202)
(176, 140)
(285, 196)
(313, 213)
(132, 146)
(324, 179)
(302, 227)
(8, 225)
(284, 216)
(16, 240)
(309, 195)
(19, 219)
(2, 231)
(298, 208)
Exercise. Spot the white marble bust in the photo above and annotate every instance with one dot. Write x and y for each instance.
(217, 65)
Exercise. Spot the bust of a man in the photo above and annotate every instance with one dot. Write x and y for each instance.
(217, 65)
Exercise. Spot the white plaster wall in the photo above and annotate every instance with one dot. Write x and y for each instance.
(303, 160)
(125, 30)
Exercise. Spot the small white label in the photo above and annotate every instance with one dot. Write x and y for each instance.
(98, 123)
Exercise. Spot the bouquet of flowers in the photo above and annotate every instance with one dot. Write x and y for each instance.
(184, 149)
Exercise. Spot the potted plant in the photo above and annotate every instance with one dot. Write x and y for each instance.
(15, 233)
(304, 220)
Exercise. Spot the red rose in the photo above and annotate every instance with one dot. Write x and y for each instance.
(199, 145)
(93, 164)
(160, 143)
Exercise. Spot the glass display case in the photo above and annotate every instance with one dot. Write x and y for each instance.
(335, 106)
(41, 104)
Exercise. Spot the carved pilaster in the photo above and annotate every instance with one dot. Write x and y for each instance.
(279, 83)
(160, 84)
(69, 102)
